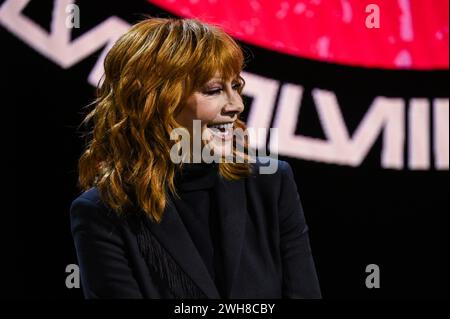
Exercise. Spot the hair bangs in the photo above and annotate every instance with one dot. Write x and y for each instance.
(220, 55)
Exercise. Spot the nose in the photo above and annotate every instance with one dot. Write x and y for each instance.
(234, 107)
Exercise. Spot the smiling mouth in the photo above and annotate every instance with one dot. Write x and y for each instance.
(222, 130)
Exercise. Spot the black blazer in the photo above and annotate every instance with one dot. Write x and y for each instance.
(268, 253)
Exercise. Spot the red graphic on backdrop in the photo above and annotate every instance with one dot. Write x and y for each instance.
(412, 34)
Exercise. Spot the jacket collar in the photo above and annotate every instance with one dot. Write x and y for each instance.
(196, 176)
(173, 236)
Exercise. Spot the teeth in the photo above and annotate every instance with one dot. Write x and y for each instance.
(224, 126)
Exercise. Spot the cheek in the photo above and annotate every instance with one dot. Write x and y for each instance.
(207, 115)
(207, 111)
(202, 108)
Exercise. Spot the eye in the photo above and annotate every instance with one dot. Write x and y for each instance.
(213, 91)
(237, 86)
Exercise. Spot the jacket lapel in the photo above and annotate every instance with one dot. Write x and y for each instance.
(173, 236)
(231, 207)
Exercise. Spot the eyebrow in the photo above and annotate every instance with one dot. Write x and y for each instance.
(219, 80)
(215, 79)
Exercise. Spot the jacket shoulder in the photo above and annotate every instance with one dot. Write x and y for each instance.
(91, 195)
(89, 205)
(269, 166)
(269, 176)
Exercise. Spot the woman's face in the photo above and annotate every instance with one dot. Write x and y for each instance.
(217, 105)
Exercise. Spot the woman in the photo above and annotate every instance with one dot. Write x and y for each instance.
(150, 227)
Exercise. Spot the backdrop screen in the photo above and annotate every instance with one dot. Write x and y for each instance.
(358, 91)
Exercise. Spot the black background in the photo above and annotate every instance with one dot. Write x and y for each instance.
(397, 219)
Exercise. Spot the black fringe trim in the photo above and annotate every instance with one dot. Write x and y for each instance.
(162, 264)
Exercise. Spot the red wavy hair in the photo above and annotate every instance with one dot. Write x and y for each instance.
(149, 73)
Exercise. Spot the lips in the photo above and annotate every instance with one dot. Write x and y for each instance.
(223, 131)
